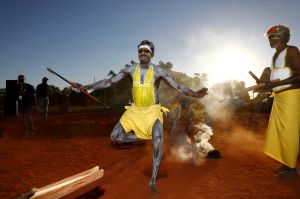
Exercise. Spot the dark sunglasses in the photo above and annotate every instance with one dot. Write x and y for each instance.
(144, 51)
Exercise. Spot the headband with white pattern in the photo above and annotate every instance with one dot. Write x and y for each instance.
(145, 46)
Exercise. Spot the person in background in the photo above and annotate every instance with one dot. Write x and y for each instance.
(197, 113)
(174, 113)
(282, 136)
(42, 95)
(25, 103)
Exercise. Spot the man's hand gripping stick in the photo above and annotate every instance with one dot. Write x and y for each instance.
(76, 86)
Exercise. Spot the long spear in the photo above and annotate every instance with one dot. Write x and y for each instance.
(72, 84)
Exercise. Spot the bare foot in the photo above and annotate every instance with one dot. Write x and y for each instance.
(153, 189)
(289, 174)
(280, 169)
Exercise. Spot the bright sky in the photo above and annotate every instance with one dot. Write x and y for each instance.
(85, 39)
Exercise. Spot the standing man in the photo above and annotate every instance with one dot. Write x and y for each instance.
(282, 137)
(174, 113)
(42, 95)
(25, 102)
(143, 119)
(196, 114)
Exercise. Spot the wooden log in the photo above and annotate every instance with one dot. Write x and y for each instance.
(71, 187)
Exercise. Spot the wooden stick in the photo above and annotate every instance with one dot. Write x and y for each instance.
(254, 76)
(258, 86)
(70, 185)
(83, 91)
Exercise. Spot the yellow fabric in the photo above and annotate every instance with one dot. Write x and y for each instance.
(143, 94)
(140, 116)
(140, 120)
(282, 137)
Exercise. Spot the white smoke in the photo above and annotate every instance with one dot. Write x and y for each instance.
(202, 137)
(216, 105)
(196, 150)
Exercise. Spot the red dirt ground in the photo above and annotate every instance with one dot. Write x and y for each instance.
(75, 142)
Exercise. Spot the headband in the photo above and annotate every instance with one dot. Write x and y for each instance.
(145, 46)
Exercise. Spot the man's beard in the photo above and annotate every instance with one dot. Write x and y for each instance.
(145, 59)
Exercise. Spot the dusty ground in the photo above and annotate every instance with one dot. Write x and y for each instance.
(74, 142)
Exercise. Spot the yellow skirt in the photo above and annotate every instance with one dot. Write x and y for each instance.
(282, 137)
(140, 120)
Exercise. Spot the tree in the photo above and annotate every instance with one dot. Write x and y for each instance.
(199, 80)
(53, 95)
(67, 91)
(234, 92)
(78, 99)
(240, 93)
(166, 66)
(132, 62)
(111, 74)
(54, 89)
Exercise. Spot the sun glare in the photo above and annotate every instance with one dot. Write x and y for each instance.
(230, 62)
